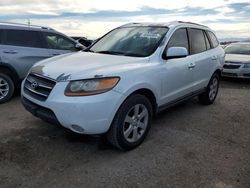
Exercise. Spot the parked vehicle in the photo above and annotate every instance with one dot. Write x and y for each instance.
(237, 60)
(118, 84)
(23, 45)
(84, 41)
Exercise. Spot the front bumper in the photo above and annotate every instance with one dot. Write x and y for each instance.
(240, 72)
(86, 115)
(39, 111)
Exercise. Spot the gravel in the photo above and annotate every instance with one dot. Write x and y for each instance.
(188, 146)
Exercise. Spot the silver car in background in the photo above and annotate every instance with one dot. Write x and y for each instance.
(21, 46)
(237, 60)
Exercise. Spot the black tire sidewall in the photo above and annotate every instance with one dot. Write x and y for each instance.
(204, 97)
(120, 117)
(11, 87)
(208, 87)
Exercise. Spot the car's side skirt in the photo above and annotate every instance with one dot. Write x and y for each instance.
(180, 100)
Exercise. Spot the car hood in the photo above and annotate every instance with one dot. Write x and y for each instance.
(238, 58)
(82, 65)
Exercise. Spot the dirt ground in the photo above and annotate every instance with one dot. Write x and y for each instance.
(188, 146)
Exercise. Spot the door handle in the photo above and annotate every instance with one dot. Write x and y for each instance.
(55, 54)
(191, 65)
(10, 51)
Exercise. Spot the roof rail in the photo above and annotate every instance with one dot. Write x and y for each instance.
(128, 24)
(26, 25)
(191, 23)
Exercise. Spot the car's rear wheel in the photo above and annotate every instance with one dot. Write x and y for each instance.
(209, 96)
(131, 123)
(6, 88)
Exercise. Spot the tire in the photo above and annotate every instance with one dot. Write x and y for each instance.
(6, 88)
(129, 128)
(209, 96)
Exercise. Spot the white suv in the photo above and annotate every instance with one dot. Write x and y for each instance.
(119, 83)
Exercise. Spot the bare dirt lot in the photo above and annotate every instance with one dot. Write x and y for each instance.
(188, 146)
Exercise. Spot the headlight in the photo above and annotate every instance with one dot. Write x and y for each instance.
(246, 65)
(91, 86)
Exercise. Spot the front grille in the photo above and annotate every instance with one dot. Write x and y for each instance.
(246, 75)
(233, 62)
(229, 74)
(228, 66)
(38, 87)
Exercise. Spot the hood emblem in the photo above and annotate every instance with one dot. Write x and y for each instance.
(34, 85)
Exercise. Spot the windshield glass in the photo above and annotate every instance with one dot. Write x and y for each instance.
(243, 49)
(131, 41)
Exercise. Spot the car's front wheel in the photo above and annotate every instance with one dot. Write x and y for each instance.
(131, 123)
(209, 96)
(6, 88)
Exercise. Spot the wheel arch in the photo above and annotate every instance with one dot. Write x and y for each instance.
(149, 94)
(218, 71)
(10, 71)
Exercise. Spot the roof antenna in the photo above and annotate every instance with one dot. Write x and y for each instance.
(28, 22)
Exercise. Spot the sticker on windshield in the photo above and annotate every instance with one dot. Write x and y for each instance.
(151, 35)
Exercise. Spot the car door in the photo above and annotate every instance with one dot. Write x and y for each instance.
(58, 44)
(21, 49)
(217, 53)
(177, 80)
(201, 54)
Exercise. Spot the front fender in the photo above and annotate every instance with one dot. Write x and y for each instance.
(138, 86)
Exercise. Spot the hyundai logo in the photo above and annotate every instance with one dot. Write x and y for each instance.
(34, 85)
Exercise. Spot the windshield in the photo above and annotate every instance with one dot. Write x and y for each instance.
(243, 49)
(130, 41)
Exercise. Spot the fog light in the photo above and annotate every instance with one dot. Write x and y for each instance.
(77, 128)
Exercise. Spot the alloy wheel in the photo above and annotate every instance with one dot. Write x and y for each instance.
(213, 89)
(4, 88)
(135, 123)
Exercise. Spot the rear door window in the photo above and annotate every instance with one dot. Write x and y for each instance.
(213, 39)
(58, 42)
(23, 38)
(198, 43)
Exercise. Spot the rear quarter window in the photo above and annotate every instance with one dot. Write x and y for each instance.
(207, 41)
(213, 39)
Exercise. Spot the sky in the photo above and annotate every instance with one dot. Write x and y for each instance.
(93, 18)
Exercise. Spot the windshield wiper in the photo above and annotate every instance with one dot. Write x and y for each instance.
(110, 52)
(133, 54)
(88, 50)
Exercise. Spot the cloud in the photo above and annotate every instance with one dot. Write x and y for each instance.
(94, 18)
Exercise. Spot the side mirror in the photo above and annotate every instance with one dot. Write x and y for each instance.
(176, 52)
(79, 46)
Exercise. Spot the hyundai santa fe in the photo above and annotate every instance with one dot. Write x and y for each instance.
(116, 86)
